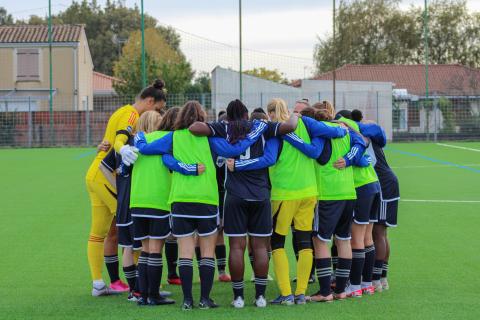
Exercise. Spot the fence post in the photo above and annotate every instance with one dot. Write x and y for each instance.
(319, 96)
(202, 100)
(378, 121)
(87, 121)
(30, 129)
(435, 102)
(261, 99)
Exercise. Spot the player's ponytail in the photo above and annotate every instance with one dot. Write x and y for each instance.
(156, 91)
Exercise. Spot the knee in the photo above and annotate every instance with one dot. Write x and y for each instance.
(303, 240)
(277, 241)
(238, 244)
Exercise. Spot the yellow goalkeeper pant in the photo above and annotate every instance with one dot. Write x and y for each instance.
(104, 205)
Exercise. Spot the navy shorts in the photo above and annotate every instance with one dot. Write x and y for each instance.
(244, 217)
(150, 223)
(375, 211)
(333, 217)
(189, 218)
(364, 209)
(126, 239)
(388, 213)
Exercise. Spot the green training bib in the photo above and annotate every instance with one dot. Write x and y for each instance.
(190, 149)
(361, 175)
(151, 179)
(293, 176)
(334, 184)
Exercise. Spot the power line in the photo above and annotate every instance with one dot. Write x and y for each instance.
(230, 46)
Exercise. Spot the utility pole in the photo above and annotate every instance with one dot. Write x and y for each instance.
(240, 47)
(425, 38)
(334, 58)
(144, 71)
(50, 39)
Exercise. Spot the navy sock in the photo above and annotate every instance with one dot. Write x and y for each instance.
(207, 273)
(112, 267)
(324, 275)
(130, 273)
(198, 255)
(260, 286)
(142, 268)
(221, 256)
(155, 266)
(358, 260)
(334, 253)
(377, 270)
(385, 269)
(342, 274)
(185, 269)
(250, 257)
(237, 286)
(171, 254)
(369, 262)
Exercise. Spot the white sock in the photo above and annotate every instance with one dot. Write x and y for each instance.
(366, 284)
(98, 284)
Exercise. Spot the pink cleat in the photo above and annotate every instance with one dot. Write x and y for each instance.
(118, 286)
(369, 290)
(223, 277)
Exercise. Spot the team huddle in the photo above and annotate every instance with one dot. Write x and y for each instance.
(173, 180)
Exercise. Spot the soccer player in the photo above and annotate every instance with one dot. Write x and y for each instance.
(293, 199)
(194, 199)
(247, 203)
(389, 197)
(119, 175)
(336, 194)
(367, 188)
(101, 192)
(150, 208)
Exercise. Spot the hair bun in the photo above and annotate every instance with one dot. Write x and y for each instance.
(159, 84)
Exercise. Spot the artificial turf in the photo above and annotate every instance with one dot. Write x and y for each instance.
(433, 268)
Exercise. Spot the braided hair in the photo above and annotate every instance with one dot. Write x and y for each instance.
(238, 126)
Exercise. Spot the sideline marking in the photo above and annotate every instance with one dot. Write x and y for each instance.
(434, 166)
(457, 147)
(441, 201)
(417, 155)
(85, 154)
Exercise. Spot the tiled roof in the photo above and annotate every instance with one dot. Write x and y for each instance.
(39, 33)
(103, 83)
(450, 79)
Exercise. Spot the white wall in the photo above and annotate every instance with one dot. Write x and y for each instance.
(373, 98)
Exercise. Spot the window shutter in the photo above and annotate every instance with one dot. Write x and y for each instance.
(28, 65)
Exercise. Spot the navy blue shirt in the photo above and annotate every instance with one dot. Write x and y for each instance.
(123, 180)
(250, 184)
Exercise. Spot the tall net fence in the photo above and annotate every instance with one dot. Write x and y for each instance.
(83, 100)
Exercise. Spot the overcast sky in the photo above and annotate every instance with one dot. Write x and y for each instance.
(280, 27)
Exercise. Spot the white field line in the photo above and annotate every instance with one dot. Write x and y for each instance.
(457, 147)
(435, 166)
(441, 201)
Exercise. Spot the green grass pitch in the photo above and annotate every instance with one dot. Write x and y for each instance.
(433, 270)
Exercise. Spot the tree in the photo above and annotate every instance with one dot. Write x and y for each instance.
(379, 32)
(162, 61)
(5, 17)
(271, 75)
(201, 84)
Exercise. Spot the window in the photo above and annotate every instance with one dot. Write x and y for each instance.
(28, 65)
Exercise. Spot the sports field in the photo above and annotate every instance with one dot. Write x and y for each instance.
(433, 269)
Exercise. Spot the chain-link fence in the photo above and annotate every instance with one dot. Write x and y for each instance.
(24, 123)
(439, 118)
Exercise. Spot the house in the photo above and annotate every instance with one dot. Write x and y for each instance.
(24, 68)
(454, 95)
(104, 96)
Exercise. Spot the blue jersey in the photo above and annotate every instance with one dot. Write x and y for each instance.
(251, 184)
(387, 178)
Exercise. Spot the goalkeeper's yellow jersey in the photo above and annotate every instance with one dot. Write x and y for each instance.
(121, 123)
